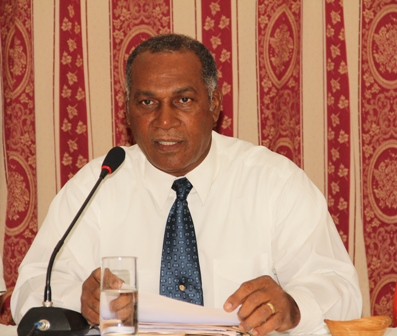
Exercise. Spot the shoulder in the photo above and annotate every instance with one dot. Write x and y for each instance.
(90, 172)
(236, 152)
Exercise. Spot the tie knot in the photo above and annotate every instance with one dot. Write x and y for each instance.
(182, 187)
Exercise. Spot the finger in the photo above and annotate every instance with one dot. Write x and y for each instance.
(123, 306)
(126, 314)
(111, 281)
(90, 298)
(285, 317)
(268, 326)
(254, 302)
(90, 309)
(91, 316)
(96, 274)
(247, 288)
(121, 302)
(261, 314)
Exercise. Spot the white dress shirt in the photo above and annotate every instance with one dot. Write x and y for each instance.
(255, 213)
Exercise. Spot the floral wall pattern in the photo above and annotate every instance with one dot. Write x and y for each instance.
(73, 141)
(279, 77)
(379, 149)
(132, 22)
(338, 119)
(217, 36)
(19, 140)
(68, 82)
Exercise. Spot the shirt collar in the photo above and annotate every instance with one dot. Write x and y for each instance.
(159, 183)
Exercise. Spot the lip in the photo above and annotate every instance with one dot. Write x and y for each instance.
(168, 145)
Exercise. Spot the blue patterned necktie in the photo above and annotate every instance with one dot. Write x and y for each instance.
(180, 276)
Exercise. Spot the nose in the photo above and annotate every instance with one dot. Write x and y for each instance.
(167, 117)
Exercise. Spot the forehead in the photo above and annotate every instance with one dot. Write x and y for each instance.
(178, 64)
(185, 55)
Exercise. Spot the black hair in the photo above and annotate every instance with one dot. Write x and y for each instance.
(181, 43)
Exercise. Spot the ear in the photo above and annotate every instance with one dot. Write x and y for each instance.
(216, 104)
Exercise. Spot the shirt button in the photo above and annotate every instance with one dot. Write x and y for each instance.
(182, 288)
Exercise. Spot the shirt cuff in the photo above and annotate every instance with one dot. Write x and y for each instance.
(312, 318)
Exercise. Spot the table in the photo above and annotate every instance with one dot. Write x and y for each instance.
(12, 331)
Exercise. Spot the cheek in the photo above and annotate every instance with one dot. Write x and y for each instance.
(138, 125)
(205, 124)
(200, 132)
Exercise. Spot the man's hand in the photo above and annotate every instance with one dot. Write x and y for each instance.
(258, 298)
(90, 297)
(123, 307)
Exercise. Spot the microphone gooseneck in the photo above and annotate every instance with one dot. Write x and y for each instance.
(112, 161)
(53, 321)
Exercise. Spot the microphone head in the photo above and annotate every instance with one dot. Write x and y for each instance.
(112, 161)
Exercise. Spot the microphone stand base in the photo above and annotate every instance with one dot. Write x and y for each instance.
(61, 322)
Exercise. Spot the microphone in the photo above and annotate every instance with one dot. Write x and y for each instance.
(55, 321)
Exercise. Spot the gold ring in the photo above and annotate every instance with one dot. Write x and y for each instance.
(271, 307)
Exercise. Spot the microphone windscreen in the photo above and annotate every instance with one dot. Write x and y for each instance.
(113, 160)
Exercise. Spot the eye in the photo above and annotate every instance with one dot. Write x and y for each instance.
(146, 102)
(185, 100)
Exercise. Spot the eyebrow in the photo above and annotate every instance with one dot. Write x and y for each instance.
(185, 89)
(143, 93)
(177, 91)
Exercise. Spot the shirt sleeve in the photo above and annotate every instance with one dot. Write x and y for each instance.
(70, 269)
(312, 264)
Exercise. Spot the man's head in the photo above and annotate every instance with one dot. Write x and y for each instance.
(181, 43)
(173, 101)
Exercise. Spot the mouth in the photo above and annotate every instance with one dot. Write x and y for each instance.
(167, 143)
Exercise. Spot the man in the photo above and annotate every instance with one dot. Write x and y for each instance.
(267, 246)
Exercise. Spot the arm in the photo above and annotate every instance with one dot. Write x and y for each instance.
(312, 266)
(75, 260)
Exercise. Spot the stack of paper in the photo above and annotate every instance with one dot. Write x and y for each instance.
(160, 309)
(159, 314)
(185, 329)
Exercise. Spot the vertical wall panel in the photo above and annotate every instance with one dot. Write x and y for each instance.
(276, 65)
(279, 77)
(338, 120)
(97, 33)
(378, 108)
(19, 140)
(217, 36)
(131, 23)
(73, 125)
(246, 87)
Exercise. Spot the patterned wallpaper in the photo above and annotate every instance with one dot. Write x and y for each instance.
(86, 40)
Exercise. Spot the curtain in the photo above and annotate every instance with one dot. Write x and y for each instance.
(312, 80)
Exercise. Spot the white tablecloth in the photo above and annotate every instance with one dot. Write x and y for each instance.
(12, 331)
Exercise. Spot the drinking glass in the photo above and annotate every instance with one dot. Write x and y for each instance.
(119, 296)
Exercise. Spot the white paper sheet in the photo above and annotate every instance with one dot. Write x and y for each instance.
(160, 309)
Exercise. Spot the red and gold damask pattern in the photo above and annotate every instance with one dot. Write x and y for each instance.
(131, 23)
(73, 139)
(217, 37)
(379, 149)
(279, 77)
(338, 119)
(20, 144)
